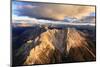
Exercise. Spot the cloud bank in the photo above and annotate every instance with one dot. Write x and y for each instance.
(52, 11)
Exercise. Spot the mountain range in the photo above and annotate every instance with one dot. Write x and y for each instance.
(43, 45)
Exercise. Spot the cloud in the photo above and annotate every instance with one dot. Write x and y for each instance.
(53, 11)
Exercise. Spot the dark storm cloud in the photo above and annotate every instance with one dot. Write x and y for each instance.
(52, 11)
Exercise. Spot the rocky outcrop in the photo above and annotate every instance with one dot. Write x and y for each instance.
(56, 46)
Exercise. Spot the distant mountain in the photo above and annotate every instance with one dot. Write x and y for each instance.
(23, 22)
(89, 19)
(71, 22)
(70, 19)
(86, 19)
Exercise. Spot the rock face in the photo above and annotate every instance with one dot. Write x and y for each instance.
(79, 47)
(49, 48)
(56, 46)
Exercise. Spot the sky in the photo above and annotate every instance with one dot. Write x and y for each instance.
(50, 11)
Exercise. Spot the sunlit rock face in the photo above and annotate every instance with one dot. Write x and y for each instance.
(49, 49)
(56, 46)
(79, 46)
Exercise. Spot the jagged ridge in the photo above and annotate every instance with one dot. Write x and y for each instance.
(56, 46)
